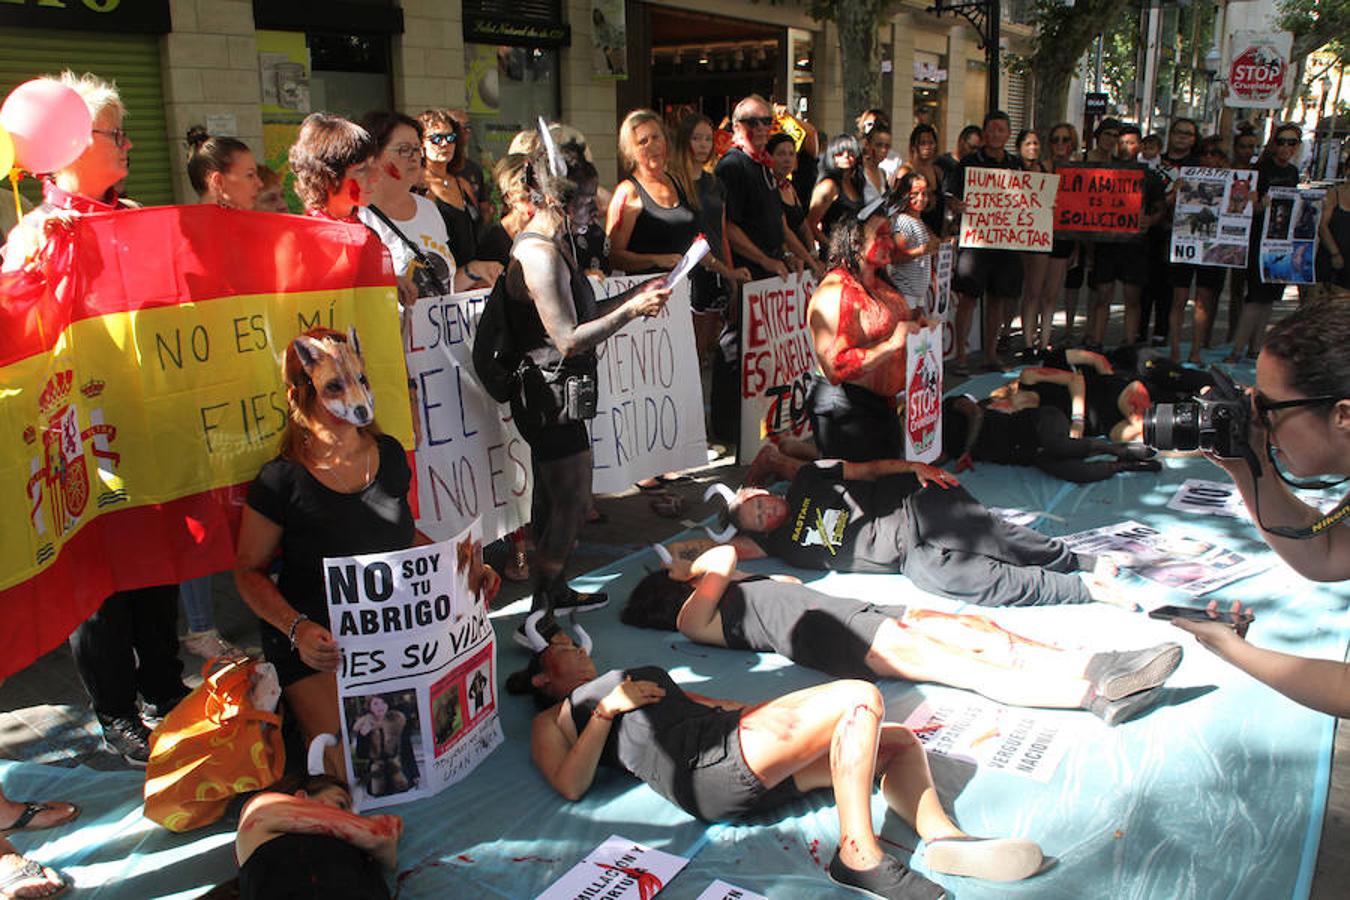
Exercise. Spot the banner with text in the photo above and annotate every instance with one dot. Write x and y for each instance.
(1099, 203)
(417, 686)
(1212, 223)
(777, 360)
(1289, 241)
(1026, 743)
(923, 395)
(472, 463)
(649, 416)
(1008, 209)
(143, 391)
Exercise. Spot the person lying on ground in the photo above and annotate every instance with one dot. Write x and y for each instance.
(300, 838)
(892, 516)
(1096, 399)
(720, 759)
(709, 601)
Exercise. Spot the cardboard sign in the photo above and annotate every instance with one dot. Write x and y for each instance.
(777, 359)
(1099, 203)
(1008, 209)
(923, 395)
(1024, 743)
(1213, 219)
(618, 868)
(1258, 68)
(1289, 240)
(417, 686)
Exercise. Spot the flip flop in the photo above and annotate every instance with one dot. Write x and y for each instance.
(674, 479)
(657, 488)
(30, 875)
(32, 810)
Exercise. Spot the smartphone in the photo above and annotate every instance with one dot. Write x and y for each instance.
(1195, 614)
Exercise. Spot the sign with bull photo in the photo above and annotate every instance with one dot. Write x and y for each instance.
(1213, 220)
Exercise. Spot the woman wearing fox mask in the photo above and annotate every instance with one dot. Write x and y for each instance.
(339, 487)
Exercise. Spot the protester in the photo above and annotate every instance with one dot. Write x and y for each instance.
(556, 325)
(911, 268)
(222, 170)
(859, 327)
(711, 602)
(272, 196)
(994, 274)
(1208, 279)
(740, 760)
(839, 190)
(967, 142)
(1104, 139)
(1274, 169)
(471, 169)
(876, 146)
(446, 149)
(1182, 135)
(586, 223)
(1335, 230)
(1035, 265)
(21, 877)
(300, 838)
(1301, 406)
(1245, 144)
(1064, 255)
(129, 645)
(338, 487)
(333, 160)
(1150, 150)
(1085, 387)
(509, 176)
(923, 144)
(784, 155)
(897, 516)
(650, 222)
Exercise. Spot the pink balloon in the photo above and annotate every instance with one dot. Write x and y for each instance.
(49, 123)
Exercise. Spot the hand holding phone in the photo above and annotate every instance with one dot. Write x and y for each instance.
(1237, 619)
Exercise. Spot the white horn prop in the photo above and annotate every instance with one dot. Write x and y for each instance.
(720, 490)
(556, 164)
(664, 554)
(583, 639)
(537, 642)
(722, 536)
(316, 750)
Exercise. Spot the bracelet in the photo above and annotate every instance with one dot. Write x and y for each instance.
(599, 715)
(290, 633)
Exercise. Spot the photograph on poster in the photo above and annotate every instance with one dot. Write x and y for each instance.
(460, 700)
(386, 748)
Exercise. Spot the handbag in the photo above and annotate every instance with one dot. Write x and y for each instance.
(213, 745)
(426, 269)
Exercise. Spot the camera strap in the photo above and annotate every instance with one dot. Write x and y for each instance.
(1332, 518)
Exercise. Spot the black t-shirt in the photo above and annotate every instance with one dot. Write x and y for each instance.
(849, 526)
(956, 178)
(1007, 438)
(317, 521)
(752, 202)
(1101, 400)
(495, 245)
(829, 634)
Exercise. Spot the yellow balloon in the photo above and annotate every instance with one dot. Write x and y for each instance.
(6, 152)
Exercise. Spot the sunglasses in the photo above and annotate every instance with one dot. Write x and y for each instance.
(756, 121)
(1287, 142)
(437, 138)
(1265, 406)
(119, 137)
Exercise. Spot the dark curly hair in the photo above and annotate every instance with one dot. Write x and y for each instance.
(1312, 342)
(521, 682)
(655, 602)
(846, 241)
(326, 147)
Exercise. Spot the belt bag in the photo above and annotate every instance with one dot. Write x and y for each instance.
(559, 395)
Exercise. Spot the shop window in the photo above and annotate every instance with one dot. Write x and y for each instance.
(509, 88)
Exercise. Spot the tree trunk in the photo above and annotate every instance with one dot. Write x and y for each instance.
(859, 56)
(1064, 35)
(1051, 91)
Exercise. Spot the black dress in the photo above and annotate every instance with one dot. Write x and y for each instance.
(662, 229)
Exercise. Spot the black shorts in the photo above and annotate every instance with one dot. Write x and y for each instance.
(277, 650)
(725, 788)
(1180, 275)
(1126, 262)
(553, 442)
(1062, 248)
(853, 423)
(996, 272)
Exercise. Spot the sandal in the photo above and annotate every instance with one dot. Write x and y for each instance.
(667, 506)
(32, 810)
(674, 479)
(518, 568)
(650, 486)
(27, 879)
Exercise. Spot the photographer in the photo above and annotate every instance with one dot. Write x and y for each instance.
(1301, 406)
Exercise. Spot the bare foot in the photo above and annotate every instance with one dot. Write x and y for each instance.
(24, 878)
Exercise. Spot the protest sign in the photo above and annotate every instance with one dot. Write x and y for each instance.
(417, 684)
(472, 463)
(923, 395)
(143, 392)
(1099, 203)
(721, 890)
(649, 404)
(1193, 565)
(1213, 219)
(618, 868)
(1021, 742)
(1258, 66)
(777, 359)
(937, 305)
(1289, 241)
(1222, 498)
(1008, 209)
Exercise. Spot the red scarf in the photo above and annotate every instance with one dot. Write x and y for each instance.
(760, 156)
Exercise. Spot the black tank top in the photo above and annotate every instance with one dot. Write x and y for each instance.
(303, 866)
(662, 229)
(843, 205)
(527, 329)
(460, 228)
(796, 214)
(1101, 405)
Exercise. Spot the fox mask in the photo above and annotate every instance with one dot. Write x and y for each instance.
(338, 373)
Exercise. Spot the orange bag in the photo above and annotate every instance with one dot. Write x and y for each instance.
(213, 745)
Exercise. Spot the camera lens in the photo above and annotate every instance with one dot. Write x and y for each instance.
(1172, 426)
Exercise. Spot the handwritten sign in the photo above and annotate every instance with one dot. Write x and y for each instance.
(777, 360)
(417, 683)
(472, 463)
(1008, 209)
(923, 395)
(1021, 742)
(1099, 203)
(649, 416)
(1289, 241)
(1213, 219)
(618, 868)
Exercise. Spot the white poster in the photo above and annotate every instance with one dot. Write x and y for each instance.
(471, 461)
(1216, 498)
(1022, 742)
(1009, 209)
(417, 686)
(923, 395)
(649, 417)
(1289, 239)
(721, 890)
(620, 869)
(777, 360)
(1257, 68)
(1212, 223)
(1189, 563)
(937, 305)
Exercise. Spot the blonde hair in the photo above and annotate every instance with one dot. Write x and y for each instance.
(627, 131)
(98, 95)
(509, 176)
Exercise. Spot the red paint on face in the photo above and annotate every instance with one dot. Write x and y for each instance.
(392, 171)
(879, 251)
(353, 191)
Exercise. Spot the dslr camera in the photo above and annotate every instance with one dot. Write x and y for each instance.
(1218, 421)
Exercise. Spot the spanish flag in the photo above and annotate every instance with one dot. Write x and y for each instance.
(141, 391)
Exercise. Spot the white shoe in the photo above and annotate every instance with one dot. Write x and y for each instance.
(209, 644)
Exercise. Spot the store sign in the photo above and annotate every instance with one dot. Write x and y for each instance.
(1260, 63)
(489, 30)
(1094, 103)
(928, 71)
(147, 16)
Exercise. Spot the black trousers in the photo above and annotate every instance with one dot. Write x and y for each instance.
(1065, 457)
(130, 646)
(853, 423)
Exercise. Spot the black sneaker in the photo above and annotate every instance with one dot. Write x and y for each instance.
(570, 601)
(128, 736)
(1115, 675)
(1117, 711)
(888, 879)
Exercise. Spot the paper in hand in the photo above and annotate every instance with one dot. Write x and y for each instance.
(692, 257)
